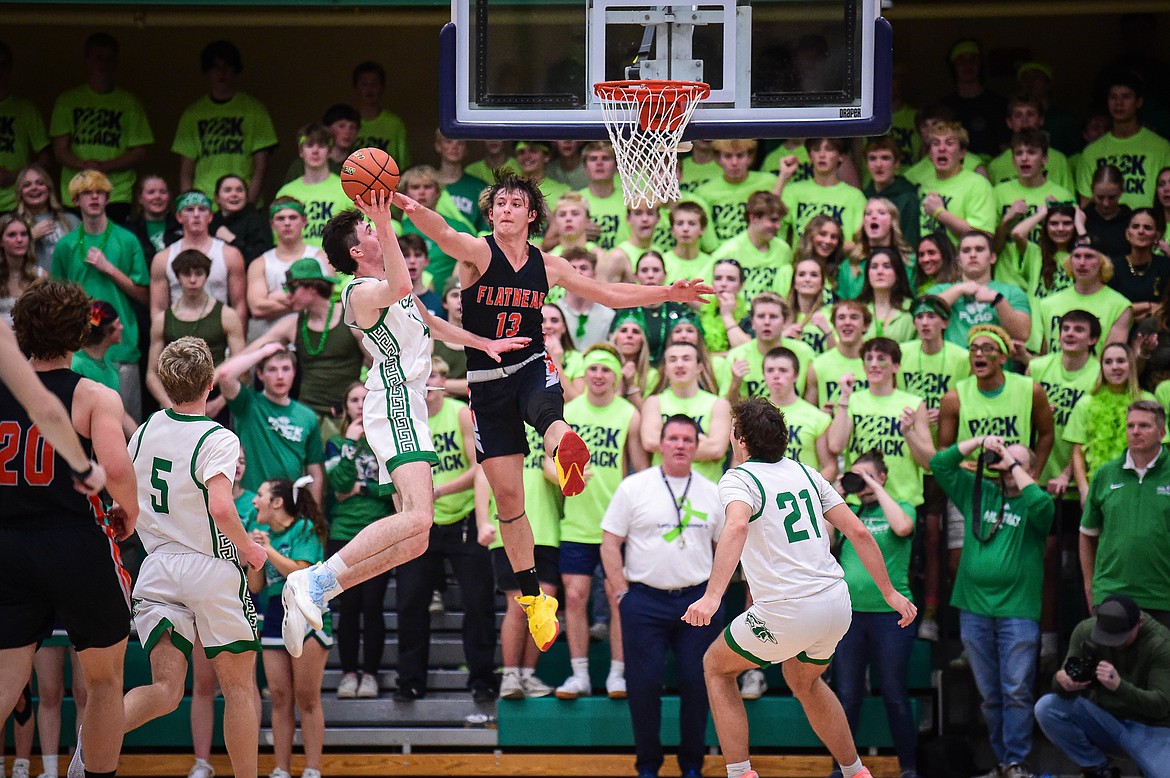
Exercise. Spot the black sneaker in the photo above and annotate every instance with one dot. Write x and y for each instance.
(1104, 771)
(409, 694)
(483, 694)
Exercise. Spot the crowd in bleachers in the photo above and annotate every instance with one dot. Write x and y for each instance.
(987, 268)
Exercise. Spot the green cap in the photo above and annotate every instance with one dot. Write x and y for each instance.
(307, 269)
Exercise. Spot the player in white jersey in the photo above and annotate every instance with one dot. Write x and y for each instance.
(780, 514)
(397, 335)
(191, 583)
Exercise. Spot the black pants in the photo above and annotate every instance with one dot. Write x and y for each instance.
(360, 621)
(472, 566)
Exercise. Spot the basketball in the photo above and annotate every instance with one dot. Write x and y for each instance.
(368, 170)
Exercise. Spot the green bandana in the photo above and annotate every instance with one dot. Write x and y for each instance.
(293, 206)
(192, 198)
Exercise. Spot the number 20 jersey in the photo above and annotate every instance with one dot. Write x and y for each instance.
(174, 457)
(787, 552)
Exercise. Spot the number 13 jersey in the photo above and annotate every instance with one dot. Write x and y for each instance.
(174, 457)
(506, 303)
(786, 555)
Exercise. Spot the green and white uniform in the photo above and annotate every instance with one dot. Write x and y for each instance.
(395, 409)
(806, 424)
(877, 423)
(801, 605)
(700, 409)
(604, 430)
(1127, 513)
(1064, 389)
(191, 583)
(454, 461)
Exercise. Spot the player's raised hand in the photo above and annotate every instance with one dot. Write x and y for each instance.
(683, 291)
(493, 348)
(407, 204)
(377, 209)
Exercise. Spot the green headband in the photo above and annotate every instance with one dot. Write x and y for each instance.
(926, 305)
(602, 357)
(193, 198)
(277, 207)
(628, 314)
(991, 336)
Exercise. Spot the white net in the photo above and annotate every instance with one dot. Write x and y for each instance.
(646, 120)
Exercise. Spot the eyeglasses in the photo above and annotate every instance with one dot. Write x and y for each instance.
(985, 349)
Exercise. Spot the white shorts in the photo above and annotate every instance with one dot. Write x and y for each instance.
(808, 628)
(395, 421)
(956, 526)
(194, 595)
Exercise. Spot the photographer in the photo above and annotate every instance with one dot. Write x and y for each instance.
(999, 582)
(1113, 693)
(874, 638)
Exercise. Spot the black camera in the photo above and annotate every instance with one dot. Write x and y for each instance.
(990, 458)
(852, 483)
(1083, 667)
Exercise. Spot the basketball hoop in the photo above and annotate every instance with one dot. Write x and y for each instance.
(646, 120)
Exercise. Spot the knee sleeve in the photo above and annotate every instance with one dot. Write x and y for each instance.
(543, 408)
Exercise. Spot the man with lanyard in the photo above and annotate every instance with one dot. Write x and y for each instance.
(661, 574)
(505, 280)
(611, 427)
(999, 582)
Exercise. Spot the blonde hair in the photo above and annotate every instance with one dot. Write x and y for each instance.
(572, 198)
(439, 366)
(1104, 271)
(941, 129)
(419, 174)
(738, 144)
(186, 369)
(89, 181)
(55, 207)
(862, 248)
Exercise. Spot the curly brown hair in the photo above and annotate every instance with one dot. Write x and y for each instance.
(51, 319)
(506, 181)
(762, 427)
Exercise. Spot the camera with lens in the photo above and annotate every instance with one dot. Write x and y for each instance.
(990, 458)
(852, 483)
(1083, 667)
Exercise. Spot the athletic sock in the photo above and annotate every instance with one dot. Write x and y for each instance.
(529, 583)
(328, 573)
(737, 769)
(848, 771)
(50, 763)
(525, 672)
(617, 668)
(580, 665)
(19, 763)
(512, 671)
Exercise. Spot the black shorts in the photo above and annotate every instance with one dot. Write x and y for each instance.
(500, 408)
(67, 573)
(548, 568)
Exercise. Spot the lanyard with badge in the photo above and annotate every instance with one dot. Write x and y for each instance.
(678, 506)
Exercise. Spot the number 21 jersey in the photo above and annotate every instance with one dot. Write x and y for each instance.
(786, 555)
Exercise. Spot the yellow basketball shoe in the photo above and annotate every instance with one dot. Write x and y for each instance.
(542, 619)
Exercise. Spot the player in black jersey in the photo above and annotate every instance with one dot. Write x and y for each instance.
(57, 558)
(505, 279)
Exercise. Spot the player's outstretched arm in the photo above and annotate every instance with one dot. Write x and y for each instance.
(109, 446)
(227, 520)
(446, 331)
(45, 409)
(452, 242)
(561, 273)
(843, 519)
(727, 554)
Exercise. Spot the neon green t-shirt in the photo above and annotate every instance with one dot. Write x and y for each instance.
(806, 199)
(1139, 157)
(1064, 389)
(22, 137)
(1002, 169)
(694, 174)
(771, 163)
(609, 213)
(769, 270)
(702, 266)
(966, 195)
(829, 367)
(482, 171)
(930, 376)
(898, 327)
(604, 430)
(543, 502)
(454, 461)
(387, 132)
(1006, 412)
(1008, 192)
(877, 423)
(1027, 273)
(102, 127)
(753, 383)
(729, 201)
(806, 424)
(1093, 413)
(322, 202)
(1106, 304)
(223, 137)
(700, 408)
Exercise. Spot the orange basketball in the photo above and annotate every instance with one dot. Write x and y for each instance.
(368, 170)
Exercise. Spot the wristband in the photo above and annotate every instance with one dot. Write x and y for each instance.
(998, 299)
(81, 476)
(934, 214)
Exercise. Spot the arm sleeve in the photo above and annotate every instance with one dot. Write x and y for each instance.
(1040, 508)
(218, 456)
(1152, 703)
(341, 463)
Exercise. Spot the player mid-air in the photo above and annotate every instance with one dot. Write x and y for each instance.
(504, 280)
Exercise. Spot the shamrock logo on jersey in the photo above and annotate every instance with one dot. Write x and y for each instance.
(759, 629)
